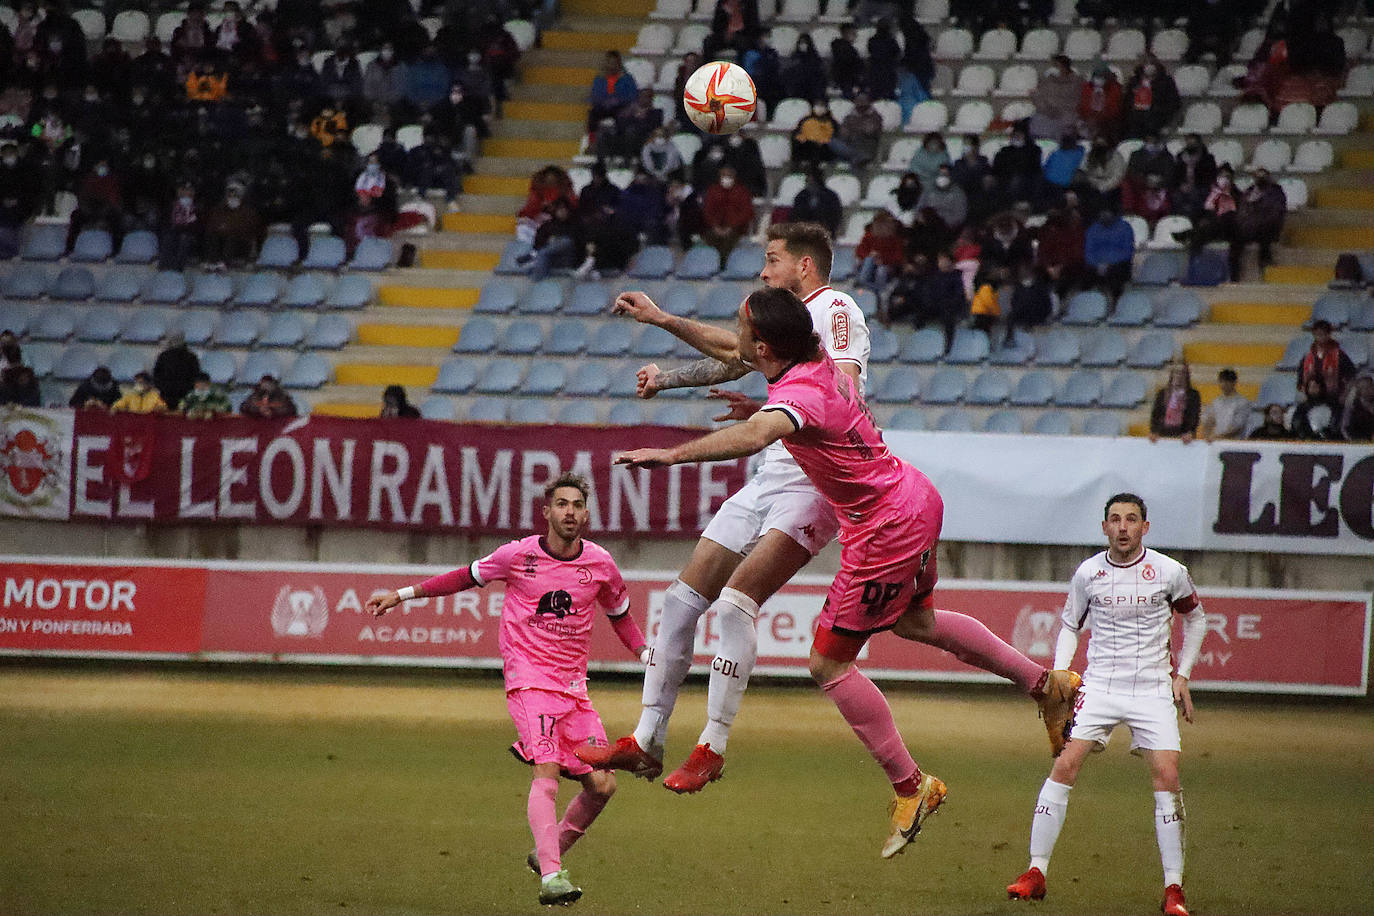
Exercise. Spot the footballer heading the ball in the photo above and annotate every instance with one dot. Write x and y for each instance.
(719, 97)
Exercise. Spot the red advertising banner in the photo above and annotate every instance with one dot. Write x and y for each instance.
(404, 474)
(1259, 641)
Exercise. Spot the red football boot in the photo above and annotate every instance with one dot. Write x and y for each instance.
(625, 754)
(1174, 904)
(703, 765)
(1030, 886)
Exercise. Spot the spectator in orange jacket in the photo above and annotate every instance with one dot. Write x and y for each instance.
(728, 212)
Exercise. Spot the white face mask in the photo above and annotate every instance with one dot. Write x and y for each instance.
(942, 181)
(819, 109)
(387, 54)
(234, 202)
(726, 181)
(102, 170)
(11, 161)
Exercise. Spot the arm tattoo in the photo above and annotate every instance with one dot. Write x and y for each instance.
(702, 372)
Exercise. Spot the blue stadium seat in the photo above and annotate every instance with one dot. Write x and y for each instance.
(1058, 347)
(1277, 389)
(310, 370)
(1293, 354)
(1102, 424)
(304, 291)
(329, 332)
(654, 262)
(590, 299)
(990, 388)
(567, 337)
(1088, 307)
(489, 410)
(680, 299)
(544, 379)
(946, 386)
(125, 363)
(1362, 319)
(211, 290)
(543, 298)
(197, 326)
(1160, 268)
(577, 413)
(653, 341)
(44, 242)
(279, 251)
(456, 376)
(672, 415)
(164, 288)
(1106, 347)
(744, 263)
(867, 301)
(970, 346)
(1052, 423)
(53, 322)
(1178, 308)
(925, 346)
(1004, 421)
(721, 302)
(498, 297)
(1335, 307)
(531, 412)
(14, 317)
(898, 386)
(521, 338)
(326, 252)
(138, 247)
(1357, 348)
(371, 254)
(883, 345)
(477, 335)
(256, 365)
(350, 291)
(611, 339)
(509, 263)
(626, 413)
(91, 246)
(259, 290)
(145, 326)
(589, 379)
(237, 329)
(1151, 351)
(1207, 268)
(119, 284)
(41, 358)
(1081, 389)
(75, 363)
(284, 329)
(907, 418)
(1126, 390)
(438, 408)
(1033, 389)
(99, 325)
(219, 365)
(501, 376)
(954, 421)
(701, 262)
(73, 284)
(1133, 309)
(843, 265)
(622, 379)
(26, 281)
(1019, 352)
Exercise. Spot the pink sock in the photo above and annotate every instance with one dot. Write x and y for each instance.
(865, 709)
(543, 814)
(582, 810)
(974, 644)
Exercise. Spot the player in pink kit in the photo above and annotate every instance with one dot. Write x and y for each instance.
(890, 516)
(552, 583)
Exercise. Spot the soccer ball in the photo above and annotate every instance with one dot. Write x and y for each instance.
(719, 97)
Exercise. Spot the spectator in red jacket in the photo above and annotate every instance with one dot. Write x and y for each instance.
(880, 251)
(728, 212)
(1327, 361)
(1099, 105)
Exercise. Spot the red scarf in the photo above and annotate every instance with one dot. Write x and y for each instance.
(1143, 97)
(1326, 363)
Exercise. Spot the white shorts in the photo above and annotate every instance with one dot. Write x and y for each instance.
(1153, 721)
(791, 506)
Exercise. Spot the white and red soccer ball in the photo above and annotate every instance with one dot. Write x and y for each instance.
(719, 97)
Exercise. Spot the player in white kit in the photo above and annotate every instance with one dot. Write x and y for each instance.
(760, 537)
(1128, 596)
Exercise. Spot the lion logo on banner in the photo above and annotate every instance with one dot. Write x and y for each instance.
(1033, 634)
(29, 461)
(300, 612)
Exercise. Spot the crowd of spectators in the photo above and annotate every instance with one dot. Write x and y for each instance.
(234, 125)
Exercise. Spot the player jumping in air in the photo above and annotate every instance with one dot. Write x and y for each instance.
(1127, 595)
(889, 516)
(552, 582)
(765, 533)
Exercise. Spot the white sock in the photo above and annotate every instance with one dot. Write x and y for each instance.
(669, 661)
(1169, 833)
(1050, 809)
(739, 648)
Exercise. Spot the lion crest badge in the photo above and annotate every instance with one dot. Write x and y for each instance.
(299, 612)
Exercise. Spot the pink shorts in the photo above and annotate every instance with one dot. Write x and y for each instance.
(551, 726)
(886, 566)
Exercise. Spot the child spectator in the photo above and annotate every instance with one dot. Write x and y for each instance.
(205, 400)
(142, 398)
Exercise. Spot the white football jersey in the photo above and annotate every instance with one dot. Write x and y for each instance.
(844, 335)
(1129, 609)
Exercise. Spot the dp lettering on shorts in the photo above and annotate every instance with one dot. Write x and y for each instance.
(878, 595)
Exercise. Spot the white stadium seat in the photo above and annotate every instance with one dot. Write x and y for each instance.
(975, 81)
(1125, 44)
(1192, 79)
(1223, 82)
(1296, 118)
(789, 114)
(879, 190)
(1295, 190)
(954, 44)
(1169, 44)
(1019, 111)
(927, 116)
(799, 11)
(1018, 80)
(1163, 238)
(654, 38)
(1359, 82)
(789, 188)
(996, 44)
(846, 188)
(1272, 154)
(1039, 45)
(775, 150)
(1228, 151)
(672, 10)
(1356, 41)
(1312, 156)
(972, 118)
(1083, 45)
(691, 38)
(854, 229)
(1201, 118)
(1248, 119)
(900, 153)
(1338, 118)
(890, 112)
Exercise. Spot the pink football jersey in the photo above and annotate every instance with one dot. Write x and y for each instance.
(546, 619)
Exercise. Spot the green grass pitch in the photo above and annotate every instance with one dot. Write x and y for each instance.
(209, 792)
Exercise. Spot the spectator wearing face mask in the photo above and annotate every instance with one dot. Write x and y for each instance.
(861, 131)
(462, 118)
(1149, 200)
(815, 203)
(181, 232)
(812, 138)
(660, 157)
(1099, 177)
(396, 406)
(927, 161)
(99, 202)
(97, 391)
(1151, 99)
(728, 212)
(946, 198)
(1194, 171)
(267, 401)
(233, 229)
(143, 397)
(804, 74)
(205, 400)
(1259, 220)
(1056, 99)
(1100, 106)
(1217, 218)
(1108, 246)
(742, 153)
(1017, 165)
(384, 78)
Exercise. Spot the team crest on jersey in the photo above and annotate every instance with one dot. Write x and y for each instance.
(839, 330)
(555, 604)
(531, 563)
(1147, 573)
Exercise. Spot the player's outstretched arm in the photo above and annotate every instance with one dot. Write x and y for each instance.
(715, 342)
(703, 372)
(444, 584)
(747, 438)
(378, 605)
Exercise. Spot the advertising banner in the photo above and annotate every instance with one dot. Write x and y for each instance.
(1260, 641)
